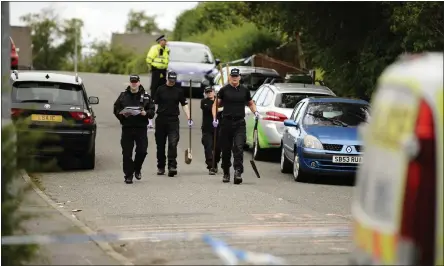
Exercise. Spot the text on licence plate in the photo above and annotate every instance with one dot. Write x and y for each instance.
(47, 118)
(347, 159)
(194, 84)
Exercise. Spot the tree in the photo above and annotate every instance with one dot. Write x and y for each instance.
(139, 22)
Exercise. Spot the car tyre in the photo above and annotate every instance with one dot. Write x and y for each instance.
(258, 153)
(298, 174)
(285, 164)
(89, 161)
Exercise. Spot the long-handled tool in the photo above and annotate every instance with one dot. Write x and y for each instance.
(252, 162)
(188, 155)
(215, 138)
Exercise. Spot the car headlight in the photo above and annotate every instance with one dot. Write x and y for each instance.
(312, 143)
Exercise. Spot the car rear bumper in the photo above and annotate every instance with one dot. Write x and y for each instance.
(321, 162)
(75, 142)
(273, 134)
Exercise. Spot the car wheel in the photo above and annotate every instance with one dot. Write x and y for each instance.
(89, 161)
(258, 153)
(298, 175)
(285, 164)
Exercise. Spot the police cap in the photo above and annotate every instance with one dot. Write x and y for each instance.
(134, 78)
(208, 89)
(235, 72)
(172, 75)
(162, 37)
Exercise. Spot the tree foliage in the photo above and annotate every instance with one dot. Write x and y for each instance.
(139, 22)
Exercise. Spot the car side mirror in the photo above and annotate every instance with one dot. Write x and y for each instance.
(291, 123)
(217, 61)
(93, 100)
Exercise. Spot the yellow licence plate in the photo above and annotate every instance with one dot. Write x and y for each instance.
(47, 118)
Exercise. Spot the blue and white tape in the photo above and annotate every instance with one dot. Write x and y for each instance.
(165, 236)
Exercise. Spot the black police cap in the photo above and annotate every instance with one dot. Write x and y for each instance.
(162, 37)
(208, 89)
(235, 72)
(134, 78)
(172, 75)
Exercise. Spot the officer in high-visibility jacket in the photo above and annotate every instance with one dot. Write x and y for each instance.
(157, 60)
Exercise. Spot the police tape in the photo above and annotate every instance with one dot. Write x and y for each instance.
(302, 232)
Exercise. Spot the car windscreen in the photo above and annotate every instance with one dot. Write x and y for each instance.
(50, 92)
(255, 80)
(191, 54)
(289, 100)
(336, 114)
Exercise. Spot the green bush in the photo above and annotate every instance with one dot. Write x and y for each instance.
(237, 42)
(137, 65)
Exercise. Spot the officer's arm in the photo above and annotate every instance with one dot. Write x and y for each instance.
(117, 108)
(166, 56)
(149, 106)
(152, 53)
(183, 101)
(250, 102)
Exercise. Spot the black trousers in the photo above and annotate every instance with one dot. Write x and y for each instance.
(156, 80)
(127, 140)
(232, 139)
(208, 142)
(167, 127)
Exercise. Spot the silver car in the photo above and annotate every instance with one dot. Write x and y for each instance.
(275, 103)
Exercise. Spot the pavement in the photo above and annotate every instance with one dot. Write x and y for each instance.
(193, 201)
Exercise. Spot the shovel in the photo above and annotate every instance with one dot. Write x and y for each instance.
(188, 155)
(252, 162)
(215, 139)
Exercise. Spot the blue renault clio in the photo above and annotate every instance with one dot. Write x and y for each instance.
(321, 137)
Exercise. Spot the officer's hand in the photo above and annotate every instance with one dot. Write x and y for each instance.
(143, 113)
(190, 122)
(215, 123)
(256, 115)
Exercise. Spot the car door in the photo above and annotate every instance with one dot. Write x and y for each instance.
(286, 139)
(293, 133)
(297, 133)
(249, 117)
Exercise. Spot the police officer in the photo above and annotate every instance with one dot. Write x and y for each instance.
(233, 97)
(134, 127)
(208, 131)
(167, 98)
(157, 60)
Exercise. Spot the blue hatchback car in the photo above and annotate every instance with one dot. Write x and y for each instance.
(321, 137)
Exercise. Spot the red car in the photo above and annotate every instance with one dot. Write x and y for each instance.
(14, 56)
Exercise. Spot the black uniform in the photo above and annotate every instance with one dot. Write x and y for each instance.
(208, 133)
(167, 124)
(134, 130)
(232, 128)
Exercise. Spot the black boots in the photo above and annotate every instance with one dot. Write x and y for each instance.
(138, 175)
(237, 177)
(128, 179)
(226, 177)
(172, 172)
(160, 171)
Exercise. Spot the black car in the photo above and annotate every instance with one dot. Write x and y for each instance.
(252, 77)
(57, 107)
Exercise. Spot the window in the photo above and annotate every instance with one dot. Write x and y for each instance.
(50, 92)
(289, 100)
(191, 54)
(261, 97)
(336, 114)
(300, 111)
(268, 98)
(295, 110)
(258, 93)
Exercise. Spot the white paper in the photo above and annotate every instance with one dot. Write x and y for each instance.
(131, 110)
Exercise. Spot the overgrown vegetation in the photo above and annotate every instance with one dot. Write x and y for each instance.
(352, 42)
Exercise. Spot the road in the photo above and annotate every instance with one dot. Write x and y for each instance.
(195, 201)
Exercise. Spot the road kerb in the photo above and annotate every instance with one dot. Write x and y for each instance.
(105, 246)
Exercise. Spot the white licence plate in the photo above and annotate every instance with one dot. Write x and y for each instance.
(347, 159)
(194, 84)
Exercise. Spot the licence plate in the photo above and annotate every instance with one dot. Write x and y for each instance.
(347, 159)
(47, 118)
(193, 84)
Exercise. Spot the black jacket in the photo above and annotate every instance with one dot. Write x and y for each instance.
(141, 99)
(207, 115)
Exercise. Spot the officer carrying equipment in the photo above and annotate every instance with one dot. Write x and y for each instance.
(157, 60)
(133, 108)
(167, 98)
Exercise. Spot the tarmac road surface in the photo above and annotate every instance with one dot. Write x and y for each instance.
(275, 206)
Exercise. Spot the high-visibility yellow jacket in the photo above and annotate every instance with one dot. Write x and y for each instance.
(158, 56)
